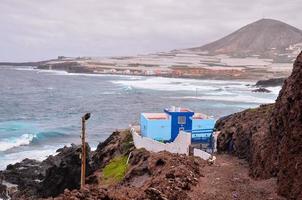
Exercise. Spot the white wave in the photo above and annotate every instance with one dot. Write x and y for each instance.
(239, 99)
(177, 84)
(65, 73)
(275, 90)
(39, 154)
(25, 68)
(9, 143)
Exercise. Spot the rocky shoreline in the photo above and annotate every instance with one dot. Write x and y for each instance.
(52, 176)
(59, 176)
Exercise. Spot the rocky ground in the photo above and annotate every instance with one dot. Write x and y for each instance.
(270, 137)
(149, 176)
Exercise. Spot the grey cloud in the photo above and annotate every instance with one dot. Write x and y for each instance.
(41, 29)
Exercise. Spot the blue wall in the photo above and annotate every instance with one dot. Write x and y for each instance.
(167, 130)
(176, 126)
(144, 126)
(156, 129)
(203, 124)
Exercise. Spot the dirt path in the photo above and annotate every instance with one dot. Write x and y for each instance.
(228, 179)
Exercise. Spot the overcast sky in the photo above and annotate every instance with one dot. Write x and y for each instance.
(42, 29)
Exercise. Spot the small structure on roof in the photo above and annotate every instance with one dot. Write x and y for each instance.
(166, 126)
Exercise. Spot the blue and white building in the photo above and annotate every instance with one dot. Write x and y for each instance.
(166, 126)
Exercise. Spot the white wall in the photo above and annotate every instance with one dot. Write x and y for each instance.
(180, 145)
(202, 154)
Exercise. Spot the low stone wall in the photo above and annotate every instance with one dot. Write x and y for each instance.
(180, 145)
(202, 154)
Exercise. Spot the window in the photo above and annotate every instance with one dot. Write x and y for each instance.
(181, 120)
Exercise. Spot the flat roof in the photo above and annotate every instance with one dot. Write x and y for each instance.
(178, 109)
(201, 116)
(165, 116)
(156, 116)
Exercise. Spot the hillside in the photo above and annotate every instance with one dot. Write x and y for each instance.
(270, 137)
(264, 37)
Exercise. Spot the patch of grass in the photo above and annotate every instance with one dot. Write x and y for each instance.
(115, 170)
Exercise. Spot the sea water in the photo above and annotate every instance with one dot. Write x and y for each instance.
(40, 110)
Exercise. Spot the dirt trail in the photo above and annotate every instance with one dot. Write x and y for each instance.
(228, 179)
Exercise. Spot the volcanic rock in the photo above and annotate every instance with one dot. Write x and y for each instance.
(65, 171)
(270, 137)
(118, 143)
(273, 82)
(286, 133)
(48, 178)
(27, 174)
(261, 90)
(160, 175)
(3, 191)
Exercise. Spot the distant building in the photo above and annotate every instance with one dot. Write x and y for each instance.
(166, 126)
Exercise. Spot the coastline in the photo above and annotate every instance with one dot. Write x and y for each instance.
(203, 72)
(259, 83)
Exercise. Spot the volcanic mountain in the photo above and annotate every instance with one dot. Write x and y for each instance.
(263, 37)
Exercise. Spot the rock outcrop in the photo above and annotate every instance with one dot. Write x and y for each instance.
(261, 89)
(52, 176)
(3, 191)
(48, 178)
(118, 143)
(240, 131)
(64, 172)
(286, 132)
(270, 137)
(270, 82)
(160, 175)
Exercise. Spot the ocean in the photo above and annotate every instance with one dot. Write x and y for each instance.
(40, 110)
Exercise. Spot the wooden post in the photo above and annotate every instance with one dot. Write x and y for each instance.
(83, 166)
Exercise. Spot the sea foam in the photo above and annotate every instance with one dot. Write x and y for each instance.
(8, 143)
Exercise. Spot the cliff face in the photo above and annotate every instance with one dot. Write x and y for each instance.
(245, 135)
(270, 137)
(286, 131)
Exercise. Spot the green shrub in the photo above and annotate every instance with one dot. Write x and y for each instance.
(115, 170)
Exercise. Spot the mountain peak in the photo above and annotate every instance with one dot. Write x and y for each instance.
(262, 37)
